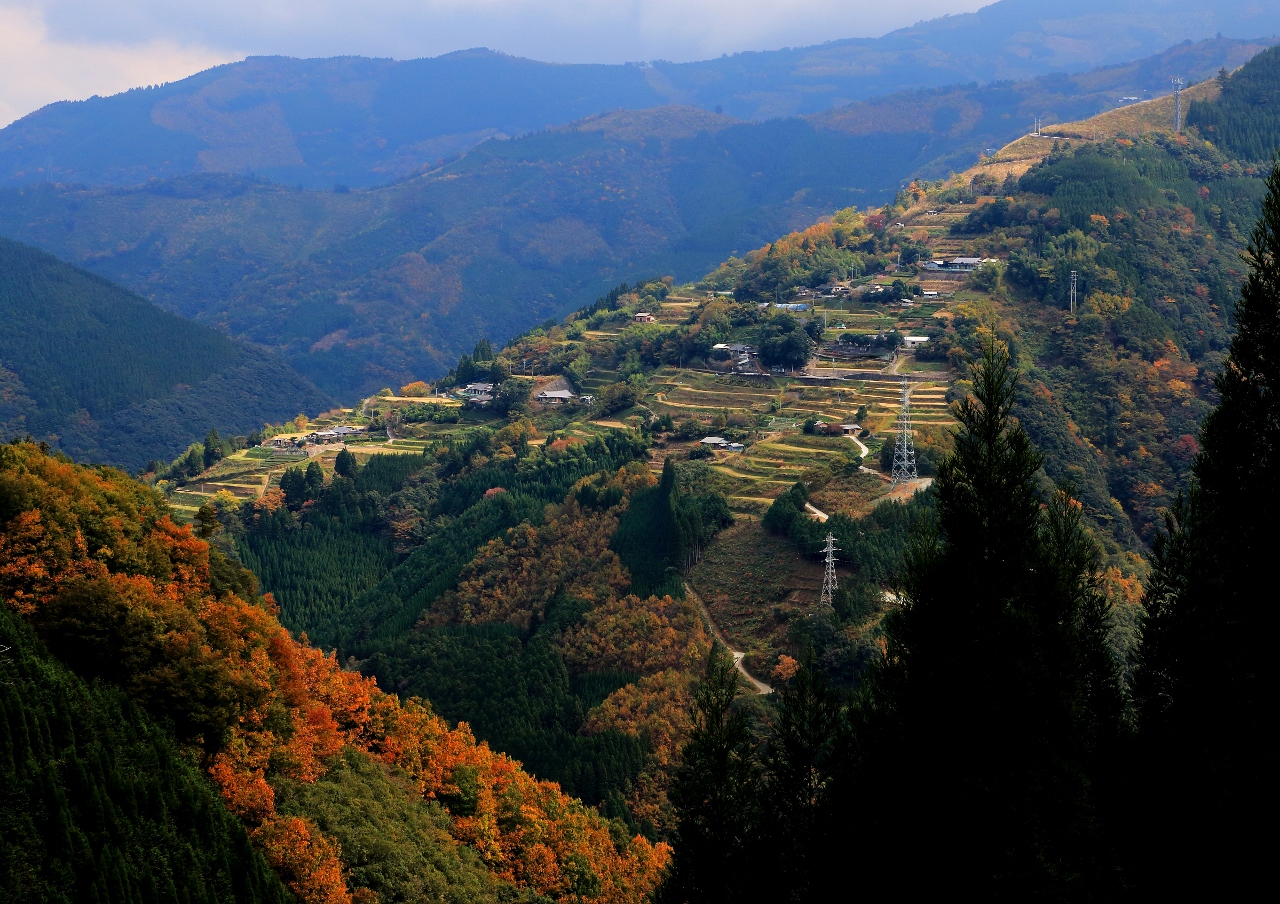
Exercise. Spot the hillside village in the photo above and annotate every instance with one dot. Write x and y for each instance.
(763, 389)
(765, 424)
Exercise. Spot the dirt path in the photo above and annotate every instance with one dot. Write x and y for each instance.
(908, 488)
(820, 515)
(759, 686)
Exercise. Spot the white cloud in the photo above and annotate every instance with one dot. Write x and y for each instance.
(68, 49)
(37, 69)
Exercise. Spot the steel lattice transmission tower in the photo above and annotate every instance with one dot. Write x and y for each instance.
(1178, 83)
(829, 585)
(904, 448)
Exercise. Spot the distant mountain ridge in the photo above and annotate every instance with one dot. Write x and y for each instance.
(365, 289)
(110, 378)
(363, 122)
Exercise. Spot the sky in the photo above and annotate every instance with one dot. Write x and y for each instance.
(53, 50)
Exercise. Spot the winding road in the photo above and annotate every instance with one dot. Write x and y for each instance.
(759, 686)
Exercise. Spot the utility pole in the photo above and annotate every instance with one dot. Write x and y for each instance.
(829, 585)
(904, 449)
(1073, 291)
(1177, 105)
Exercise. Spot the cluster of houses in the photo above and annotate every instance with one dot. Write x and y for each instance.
(830, 290)
(481, 394)
(842, 429)
(719, 442)
(741, 353)
(478, 394)
(958, 264)
(333, 434)
(338, 434)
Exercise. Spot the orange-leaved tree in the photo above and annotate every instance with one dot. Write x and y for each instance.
(124, 594)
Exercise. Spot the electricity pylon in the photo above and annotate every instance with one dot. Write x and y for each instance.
(904, 449)
(829, 577)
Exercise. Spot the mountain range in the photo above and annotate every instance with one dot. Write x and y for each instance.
(363, 122)
(371, 288)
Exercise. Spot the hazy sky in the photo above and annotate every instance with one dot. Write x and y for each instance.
(70, 49)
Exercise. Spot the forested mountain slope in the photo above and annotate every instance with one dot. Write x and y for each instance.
(107, 376)
(968, 120)
(364, 122)
(1244, 121)
(364, 289)
(345, 791)
(1151, 225)
(99, 803)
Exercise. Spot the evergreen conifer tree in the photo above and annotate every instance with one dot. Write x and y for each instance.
(802, 826)
(716, 795)
(293, 483)
(983, 736)
(315, 479)
(212, 448)
(1205, 678)
(345, 464)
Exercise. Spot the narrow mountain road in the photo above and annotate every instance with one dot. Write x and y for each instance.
(817, 513)
(759, 686)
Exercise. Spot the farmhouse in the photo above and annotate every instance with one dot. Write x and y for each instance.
(475, 390)
(715, 442)
(333, 434)
(959, 264)
(642, 317)
(914, 341)
(556, 397)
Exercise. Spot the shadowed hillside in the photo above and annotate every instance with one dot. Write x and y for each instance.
(109, 377)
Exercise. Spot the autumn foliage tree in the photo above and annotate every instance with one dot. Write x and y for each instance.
(94, 562)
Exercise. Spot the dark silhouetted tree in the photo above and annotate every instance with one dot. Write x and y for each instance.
(984, 735)
(716, 794)
(1205, 680)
